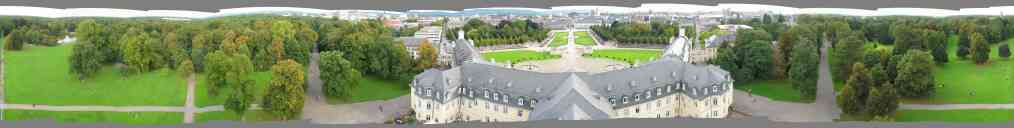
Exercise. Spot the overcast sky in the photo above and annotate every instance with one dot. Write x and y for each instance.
(402, 5)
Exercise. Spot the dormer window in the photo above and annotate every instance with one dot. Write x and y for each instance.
(654, 79)
(521, 101)
(612, 101)
(637, 97)
(505, 98)
(485, 94)
(429, 92)
(668, 89)
(658, 91)
(496, 96)
(647, 94)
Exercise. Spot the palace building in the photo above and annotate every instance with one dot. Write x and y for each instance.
(477, 90)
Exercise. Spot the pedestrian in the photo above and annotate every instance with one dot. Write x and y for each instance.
(381, 108)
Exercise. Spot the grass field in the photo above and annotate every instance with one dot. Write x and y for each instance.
(559, 39)
(780, 90)
(373, 88)
(40, 75)
(202, 95)
(516, 56)
(957, 116)
(627, 55)
(251, 116)
(990, 82)
(582, 38)
(130, 118)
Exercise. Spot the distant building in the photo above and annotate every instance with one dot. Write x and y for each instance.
(412, 45)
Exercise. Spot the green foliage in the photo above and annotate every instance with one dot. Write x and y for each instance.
(17, 39)
(142, 52)
(186, 68)
(979, 49)
(637, 33)
(338, 75)
(803, 68)
(83, 62)
(915, 74)
(285, 93)
(855, 91)
(848, 51)
(1004, 51)
(747, 61)
(427, 56)
(503, 33)
(882, 100)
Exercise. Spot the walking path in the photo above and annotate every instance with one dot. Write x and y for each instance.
(317, 110)
(189, 107)
(824, 109)
(954, 106)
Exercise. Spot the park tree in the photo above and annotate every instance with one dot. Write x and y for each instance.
(848, 51)
(285, 92)
(803, 69)
(979, 49)
(338, 75)
(82, 60)
(427, 56)
(855, 91)
(937, 42)
(186, 68)
(882, 100)
(1004, 51)
(962, 52)
(102, 37)
(915, 74)
(141, 52)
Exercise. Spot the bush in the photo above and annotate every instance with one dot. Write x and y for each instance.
(1004, 51)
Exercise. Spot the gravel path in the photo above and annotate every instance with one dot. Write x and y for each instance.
(316, 109)
(189, 107)
(824, 109)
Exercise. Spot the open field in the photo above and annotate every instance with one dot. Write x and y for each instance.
(959, 116)
(41, 75)
(582, 38)
(516, 56)
(960, 78)
(559, 39)
(627, 54)
(780, 90)
(131, 118)
(374, 88)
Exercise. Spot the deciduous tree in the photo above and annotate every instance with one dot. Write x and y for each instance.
(338, 75)
(285, 93)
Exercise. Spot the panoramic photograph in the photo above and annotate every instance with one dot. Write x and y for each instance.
(642, 64)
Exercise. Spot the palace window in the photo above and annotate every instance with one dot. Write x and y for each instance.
(668, 89)
(496, 96)
(637, 110)
(658, 91)
(429, 92)
(626, 99)
(486, 94)
(521, 101)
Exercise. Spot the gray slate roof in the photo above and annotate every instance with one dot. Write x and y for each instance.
(411, 41)
(574, 101)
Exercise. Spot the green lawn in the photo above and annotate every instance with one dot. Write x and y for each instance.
(780, 90)
(202, 95)
(131, 118)
(251, 116)
(960, 116)
(40, 75)
(374, 88)
(559, 39)
(582, 38)
(959, 77)
(627, 55)
(517, 56)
